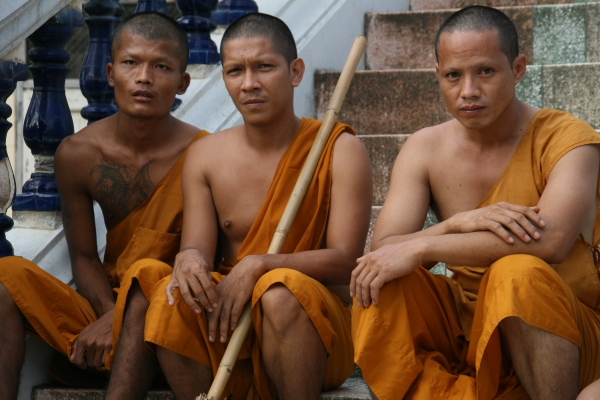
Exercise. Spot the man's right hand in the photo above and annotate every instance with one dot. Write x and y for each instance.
(94, 343)
(191, 275)
(500, 218)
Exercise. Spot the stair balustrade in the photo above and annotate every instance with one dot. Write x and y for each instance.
(196, 21)
(103, 18)
(152, 5)
(229, 11)
(48, 120)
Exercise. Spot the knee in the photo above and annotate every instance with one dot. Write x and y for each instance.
(281, 309)
(6, 299)
(518, 266)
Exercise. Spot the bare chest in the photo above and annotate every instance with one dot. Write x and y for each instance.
(239, 191)
(461, 184)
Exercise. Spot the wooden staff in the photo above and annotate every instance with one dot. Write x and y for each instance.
(289, 214)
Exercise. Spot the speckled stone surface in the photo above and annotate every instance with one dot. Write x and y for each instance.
(559, 34)
(592, 36)
(383, 150)
(574, 88)
(386, 102)
(374, 215)
(406, 40)
(354, 388)
(416, 5)
(529, 89)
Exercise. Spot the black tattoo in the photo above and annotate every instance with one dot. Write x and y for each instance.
(119, 189)
(66, 215)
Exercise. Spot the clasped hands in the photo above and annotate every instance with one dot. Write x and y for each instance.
(225, 301)
(395, 260)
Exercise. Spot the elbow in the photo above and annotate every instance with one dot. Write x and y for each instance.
(556, 249)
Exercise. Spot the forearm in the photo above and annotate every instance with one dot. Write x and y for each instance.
(328, 266)
(436, 230)
(93, 284)
(483, 248)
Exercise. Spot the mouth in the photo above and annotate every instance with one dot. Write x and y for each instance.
(143, 95)
(472, 109)
(252, 102)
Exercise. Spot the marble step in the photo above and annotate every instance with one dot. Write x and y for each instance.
(404, 101)
(416, 5)
(354, 388)
(548, 34)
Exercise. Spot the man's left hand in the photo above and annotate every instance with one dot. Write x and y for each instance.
(379, 267)
(233, 292)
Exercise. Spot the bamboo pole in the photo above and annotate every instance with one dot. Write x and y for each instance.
(289, 214)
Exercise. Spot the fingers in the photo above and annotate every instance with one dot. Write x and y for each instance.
(170, 289)
(224, 322)
(97, 358)
(213, 321)
(362, 263)
(189, 298)
(375, 287)
(78, 355)
(517, 219)
(209, 292)
(531, 213)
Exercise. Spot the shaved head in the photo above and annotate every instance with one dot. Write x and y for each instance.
(152, 25)
(258, 25)
(479, 19)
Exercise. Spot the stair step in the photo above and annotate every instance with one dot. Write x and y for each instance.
(404, 101)
(417, 5)
(556, 34)
(383, 150)
(354, 388)
(406, 39)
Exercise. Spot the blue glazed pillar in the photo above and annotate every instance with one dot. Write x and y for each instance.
(152, 5)
(10, 73)
(103, 17)
(48, 119)
(230, 11)
(198, 25)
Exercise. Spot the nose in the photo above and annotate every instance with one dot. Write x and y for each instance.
(144, 74)
(470, 88)
(250, 81)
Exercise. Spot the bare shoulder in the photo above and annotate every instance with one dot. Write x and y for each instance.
(85, 145)
(350, 156)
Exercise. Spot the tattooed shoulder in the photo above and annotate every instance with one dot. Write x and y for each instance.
(120, 189)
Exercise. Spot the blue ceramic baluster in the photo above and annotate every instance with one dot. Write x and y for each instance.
(10, 73)
(198, 25)
(152, 5)
(102, 20)
(48, 120)
(229, 11)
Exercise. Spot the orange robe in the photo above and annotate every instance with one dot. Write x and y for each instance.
(434, 337)
(179, 329)
(57, 313)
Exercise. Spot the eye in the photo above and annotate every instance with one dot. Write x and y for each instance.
(233, 71)
(162, 66)
(129, 62)
(487, 71)
(453, 75)
(265, 66)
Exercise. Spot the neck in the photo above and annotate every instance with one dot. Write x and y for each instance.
(275, 135)
(508, 127)
(143, 133)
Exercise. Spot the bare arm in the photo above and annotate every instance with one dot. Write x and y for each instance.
(568, 207)
(80, 231)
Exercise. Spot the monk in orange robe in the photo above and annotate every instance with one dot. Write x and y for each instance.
(300, 342)
(515, 189)
(130, 163)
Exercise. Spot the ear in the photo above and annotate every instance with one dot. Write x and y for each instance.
(297, 68)
(520, 67)
(110, 74)
(184, 83)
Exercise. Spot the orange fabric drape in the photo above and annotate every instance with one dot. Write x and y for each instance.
(437, 337)
(57, 313)
(179, 329)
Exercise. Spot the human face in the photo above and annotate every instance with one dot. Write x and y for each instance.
(146, 76)
(477, 80)
(259, 79)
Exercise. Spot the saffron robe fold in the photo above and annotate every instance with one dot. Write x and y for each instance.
(437, 337)
(57, 313)
(179, 329)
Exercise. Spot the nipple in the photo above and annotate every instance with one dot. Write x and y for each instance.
(227, 224)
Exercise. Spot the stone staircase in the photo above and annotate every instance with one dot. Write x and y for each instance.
(398, 94)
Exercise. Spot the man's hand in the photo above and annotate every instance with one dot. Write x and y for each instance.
(191, 275)
(94, 343)
(501, 218)
(234, 292)
(381, 266)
